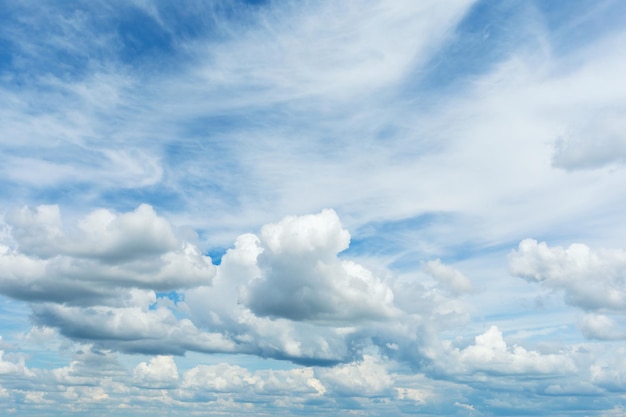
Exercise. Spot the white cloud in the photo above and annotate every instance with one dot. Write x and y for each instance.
(302, 278)
(602, 327)
(37, 231)
(451, 278)
(13, 368)
(491, 354)
(160, 372)
(610, 373)
(594, 142)
(590, 279)
(277, 109)
(108, 251)
(131, 329)
(224, 378)
(217, 378)
(102, 234)
(108, 236)
(367, 377)
(303, 52)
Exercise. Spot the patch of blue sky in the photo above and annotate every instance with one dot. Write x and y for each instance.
(55, 33)
(476, 248)
(201, 129)
(6, 58)
(483, 38)
(39, 358)
(204, 166)
(573, 25)
(64, 194)
(142, 36)
(15, 195)
(392, 231)
(162, 198)
(34, 41)
(406, 238)
(174, 296)
(216, 254)
(13, 317)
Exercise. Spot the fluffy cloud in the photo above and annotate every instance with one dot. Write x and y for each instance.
(209, 381)
(15, 369)
(490, 354)
(102, 234)
(132, 329)
(591, 280)
(602, 327)
(302, 278)
(160, 372)
(367, 377)
(106, 252)
(611, 372)
(285, 294)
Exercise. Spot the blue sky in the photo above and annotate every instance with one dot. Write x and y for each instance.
(303, 208)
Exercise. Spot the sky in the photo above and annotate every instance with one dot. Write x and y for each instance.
(304, 208)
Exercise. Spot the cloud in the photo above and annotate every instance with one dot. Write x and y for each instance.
(102, 234)
(440, 130)
(601, 327)
(302, 278)
(160, 372)
(609, 373)
(285, 294)
(594, 142)
(590, 279)
(491, 354)
(134, 329)
(367, 377)
(452, 279)
(14, 369)
(105, 254)
(204, 381)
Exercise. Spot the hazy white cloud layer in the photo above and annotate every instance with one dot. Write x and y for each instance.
(296, 208)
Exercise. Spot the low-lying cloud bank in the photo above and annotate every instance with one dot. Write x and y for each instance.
(119, 283)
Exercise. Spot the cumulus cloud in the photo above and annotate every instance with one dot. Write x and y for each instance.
(601, 327)
(491, 354)
(16, 369)
(102, 234)
(160, 372)
(38, 230)
(367, 377)
(223, 378)
(132, 329)
(284, 294)
(302, 278)
(385, 110)
(593, 280)
(104, 253)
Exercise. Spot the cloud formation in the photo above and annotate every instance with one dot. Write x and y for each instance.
(591, 280)
(171, 162)
(107, 254)
(302, 278)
